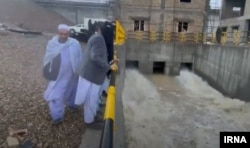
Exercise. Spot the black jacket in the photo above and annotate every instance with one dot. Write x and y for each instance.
(108, 34)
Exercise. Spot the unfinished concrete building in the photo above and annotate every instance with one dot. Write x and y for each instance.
(235, 16)
(163, 15)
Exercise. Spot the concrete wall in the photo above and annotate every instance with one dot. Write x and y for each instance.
(234, 22)
(76, 14)
(146, 52)
(247, 8)
(227, 68)
(119, 134)
(243, 26)
(68, 13)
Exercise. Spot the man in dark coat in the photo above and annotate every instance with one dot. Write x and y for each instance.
(108, 34)
(93, 72)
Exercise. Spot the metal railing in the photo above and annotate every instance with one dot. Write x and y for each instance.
(109, 115)
(233, 38)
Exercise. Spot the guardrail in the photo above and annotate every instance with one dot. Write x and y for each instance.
(109, 115)
(234, 38)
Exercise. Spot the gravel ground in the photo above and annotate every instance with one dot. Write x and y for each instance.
(21, 95)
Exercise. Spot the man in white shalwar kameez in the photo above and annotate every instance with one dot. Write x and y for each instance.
(93, 72)
(62, 91)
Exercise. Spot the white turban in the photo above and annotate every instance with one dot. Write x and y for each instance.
(63, 27)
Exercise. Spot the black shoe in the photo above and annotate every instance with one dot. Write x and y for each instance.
(94, 125)
(57, 121)
(98, 119)
(73, 109)
(99, 113)
(104, 94)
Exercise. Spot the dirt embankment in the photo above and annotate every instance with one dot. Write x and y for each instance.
(31, 16)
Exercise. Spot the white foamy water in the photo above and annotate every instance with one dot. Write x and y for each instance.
(178, 112)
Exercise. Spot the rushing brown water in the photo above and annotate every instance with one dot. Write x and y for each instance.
(178, 112)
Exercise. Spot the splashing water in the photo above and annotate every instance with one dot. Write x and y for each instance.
(199, 89)
(183, 111)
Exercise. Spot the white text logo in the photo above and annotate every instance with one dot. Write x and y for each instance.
(235, 139)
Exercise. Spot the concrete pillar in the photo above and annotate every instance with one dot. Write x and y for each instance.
(146, 67)
(175, 71)
(172, 69)
(161, 24)
(168, 66)
(167, 70)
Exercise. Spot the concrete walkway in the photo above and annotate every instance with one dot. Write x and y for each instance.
(91, 139)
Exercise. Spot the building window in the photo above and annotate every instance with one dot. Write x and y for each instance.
(182, 26)
(224, 29)
(235, 28)
(138, 25)
(185, 1)
(236, 9)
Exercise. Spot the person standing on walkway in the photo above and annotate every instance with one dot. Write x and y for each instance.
(93, 72)
(108, 34)
(62, 63)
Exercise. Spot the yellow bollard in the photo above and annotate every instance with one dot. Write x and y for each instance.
(200, 36)
(196, 38)
(138, 35)
(153, 36)
(224, 38)
(213, 38)
(204, 38)
(183, 37)
(237, 38)
(166, 36)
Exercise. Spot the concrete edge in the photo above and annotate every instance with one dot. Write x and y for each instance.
(119, 133)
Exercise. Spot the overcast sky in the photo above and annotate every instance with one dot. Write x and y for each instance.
(215, 3)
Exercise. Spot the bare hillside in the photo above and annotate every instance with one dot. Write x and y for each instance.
(30, 15)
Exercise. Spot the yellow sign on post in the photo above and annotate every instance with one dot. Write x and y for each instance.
(120, 37)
